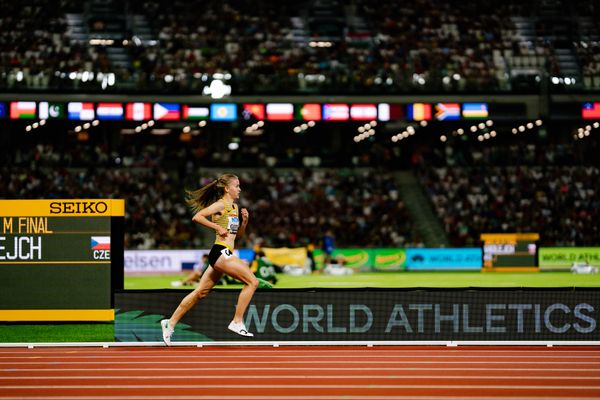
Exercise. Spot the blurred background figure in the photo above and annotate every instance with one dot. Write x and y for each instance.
(194, 277)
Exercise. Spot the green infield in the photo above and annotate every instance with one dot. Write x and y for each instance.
(399, 280)
(56, 333)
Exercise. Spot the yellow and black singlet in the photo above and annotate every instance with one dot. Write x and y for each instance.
(228, 219)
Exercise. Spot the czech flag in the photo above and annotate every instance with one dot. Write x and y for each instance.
(100, 243)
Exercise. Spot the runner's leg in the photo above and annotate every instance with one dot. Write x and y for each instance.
(235, 268)
(207, 282)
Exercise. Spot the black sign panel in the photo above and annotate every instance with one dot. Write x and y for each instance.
(378, 315)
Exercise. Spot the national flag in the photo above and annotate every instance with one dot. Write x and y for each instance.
(109, 111)
(390, 112)
(166, 112)
(308, 112)
(224, 112)
(81, 111)
(2, 110)
(336, 112)
(590, 111)
(138, 111)
(100, 243)
(447, 111)
(51, 110)
(363, 112)
(253, 111)
(280, 111)
(193, 113)
(475, 110)
(419, 111)
(22, 110)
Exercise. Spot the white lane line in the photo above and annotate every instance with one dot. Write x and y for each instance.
(299, 356)
(299, 386)
(315, 368)
(315, 349)
(171, 377)
(288, 397)
(282, 362)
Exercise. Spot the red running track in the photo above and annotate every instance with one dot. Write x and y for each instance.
(385, 372)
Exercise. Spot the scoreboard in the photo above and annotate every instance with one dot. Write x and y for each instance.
(60, 260)
(510, 251)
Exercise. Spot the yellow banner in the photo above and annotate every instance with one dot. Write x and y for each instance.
(286, 255)
(57, 315)
(500, 237)
(63, 208)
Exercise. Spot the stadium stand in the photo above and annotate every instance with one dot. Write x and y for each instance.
(171, 46)
(313, 47)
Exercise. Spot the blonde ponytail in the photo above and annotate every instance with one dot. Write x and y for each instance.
(208, 194)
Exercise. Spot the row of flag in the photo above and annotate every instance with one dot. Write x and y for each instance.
(229, 112)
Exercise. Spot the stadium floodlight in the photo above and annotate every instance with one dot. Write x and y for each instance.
(217, 89)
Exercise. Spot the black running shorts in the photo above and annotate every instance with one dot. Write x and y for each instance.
(217, 251)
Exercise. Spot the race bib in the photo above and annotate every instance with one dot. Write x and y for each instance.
(233, 224)
(226, 253)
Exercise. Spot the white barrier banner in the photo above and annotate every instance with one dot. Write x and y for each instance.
(162, 260)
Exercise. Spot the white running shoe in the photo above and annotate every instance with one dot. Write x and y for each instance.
(240, 329)
(167, 332)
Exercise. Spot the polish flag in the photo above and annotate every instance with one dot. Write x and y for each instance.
(280, 111)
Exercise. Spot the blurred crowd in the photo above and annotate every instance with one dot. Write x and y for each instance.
(538, 186)
(559, 203)
(36, 51)
(287, 208)
(589, 58)
(543, 186)
(265, 47)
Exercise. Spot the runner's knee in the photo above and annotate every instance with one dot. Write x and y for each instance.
(202, 293)
(253, 282)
